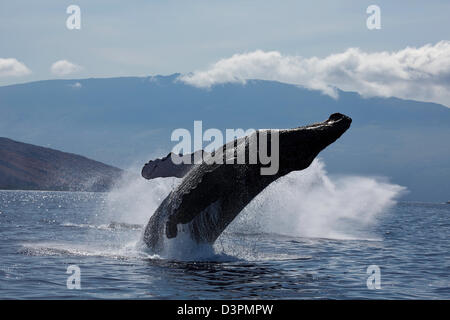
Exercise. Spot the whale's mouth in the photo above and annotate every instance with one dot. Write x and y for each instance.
(338, 116)
(331, 129)
(299, 146)
(337, 120)
(340, 119)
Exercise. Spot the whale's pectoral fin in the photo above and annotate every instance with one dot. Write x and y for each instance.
(164, 167)
(193, 199)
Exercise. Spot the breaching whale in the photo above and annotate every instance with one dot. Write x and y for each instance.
(210, 196)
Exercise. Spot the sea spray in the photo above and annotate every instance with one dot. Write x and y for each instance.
(306, 203)
(134, 199)
(310, 203)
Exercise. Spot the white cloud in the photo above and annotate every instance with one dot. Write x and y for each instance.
(412, 73)
(64, 68)
(10, 67)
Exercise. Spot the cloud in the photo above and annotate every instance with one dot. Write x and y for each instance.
(10, 67)
(64, 68)
(421, 73)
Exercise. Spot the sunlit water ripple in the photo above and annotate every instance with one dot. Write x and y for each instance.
(45, 232)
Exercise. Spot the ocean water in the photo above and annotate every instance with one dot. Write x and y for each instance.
(308, 236)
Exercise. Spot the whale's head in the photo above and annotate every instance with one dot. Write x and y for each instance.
(299, 146)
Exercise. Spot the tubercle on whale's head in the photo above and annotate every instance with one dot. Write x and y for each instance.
(299, 146)
(330, 130)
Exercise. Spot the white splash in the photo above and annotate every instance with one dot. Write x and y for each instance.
(309, 203)
(134, 199)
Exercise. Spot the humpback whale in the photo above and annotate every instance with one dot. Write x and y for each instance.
(211, 195)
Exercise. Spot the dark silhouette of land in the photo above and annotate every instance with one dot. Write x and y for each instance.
(29, 167)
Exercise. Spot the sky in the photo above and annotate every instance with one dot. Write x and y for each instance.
(318, 44)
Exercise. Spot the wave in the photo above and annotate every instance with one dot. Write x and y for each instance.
(127, 251)
(114, 225)
(303, 205)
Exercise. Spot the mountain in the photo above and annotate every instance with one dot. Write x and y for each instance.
(28, 167)
(128, 121)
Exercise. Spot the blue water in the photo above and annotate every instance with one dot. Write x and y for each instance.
(42, 233)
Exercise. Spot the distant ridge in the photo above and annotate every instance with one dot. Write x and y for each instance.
(127, 121)
(29, 167)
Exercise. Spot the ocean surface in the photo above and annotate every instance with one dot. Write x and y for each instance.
(282, 247)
